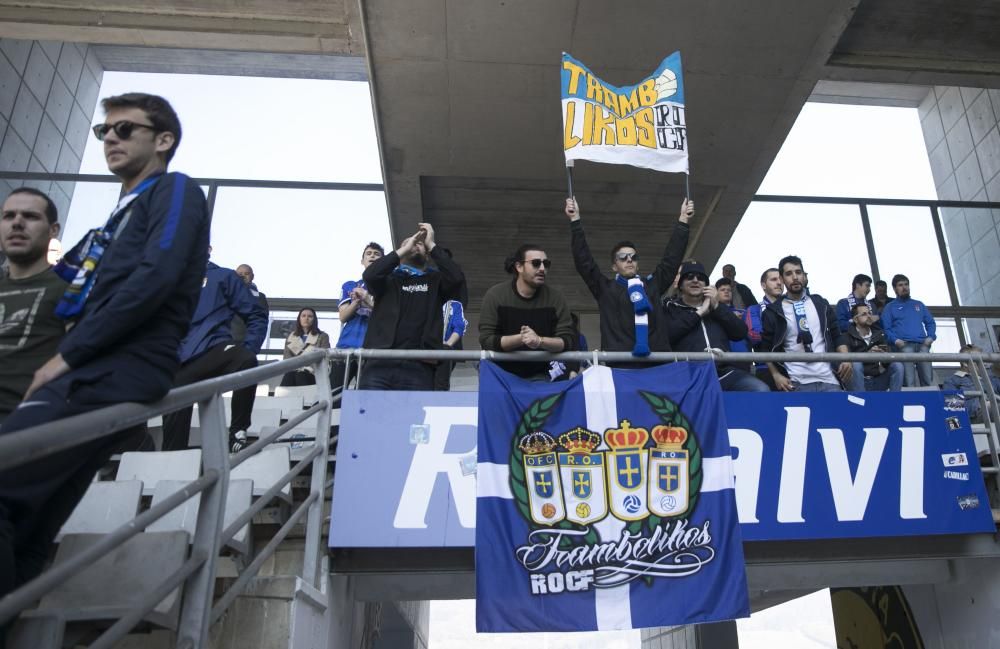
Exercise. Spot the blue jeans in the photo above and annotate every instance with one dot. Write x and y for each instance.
(741, 381)
(922, 370)
(891, 379)
(818, 386)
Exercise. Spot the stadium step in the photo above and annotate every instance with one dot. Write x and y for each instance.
(150, 468)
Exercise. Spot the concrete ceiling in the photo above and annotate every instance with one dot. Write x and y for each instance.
(467, 101)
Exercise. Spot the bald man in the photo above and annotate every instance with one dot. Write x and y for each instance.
(237, 326)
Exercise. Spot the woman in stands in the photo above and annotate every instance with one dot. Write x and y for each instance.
(306, 338)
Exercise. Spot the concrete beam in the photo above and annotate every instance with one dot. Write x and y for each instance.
(123, 58)
(307, 26)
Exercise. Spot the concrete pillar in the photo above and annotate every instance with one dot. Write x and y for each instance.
(717, 635)
(961, 128)
(48, 93)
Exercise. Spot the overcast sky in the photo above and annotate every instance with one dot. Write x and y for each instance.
(306, 243)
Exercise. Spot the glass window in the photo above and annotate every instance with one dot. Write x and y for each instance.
(828, 238)
(905, 243)
(301, 243)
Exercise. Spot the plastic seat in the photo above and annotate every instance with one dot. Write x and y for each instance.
(150, 468)
(107, 589)
(185, 517)
(105, 507)
(265, 469)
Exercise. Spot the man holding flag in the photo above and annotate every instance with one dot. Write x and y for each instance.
(629, 321)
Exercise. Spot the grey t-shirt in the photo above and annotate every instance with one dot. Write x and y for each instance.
(29, 332)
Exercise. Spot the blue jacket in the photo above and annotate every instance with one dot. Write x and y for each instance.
(844, 313)
(908, 320)
(223, 295)
(148, 281)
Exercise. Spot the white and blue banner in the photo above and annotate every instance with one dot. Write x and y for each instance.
(606, 502)
(838, 465)
(642, 125)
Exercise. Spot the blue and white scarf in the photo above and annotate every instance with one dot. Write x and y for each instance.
(79, 265)
(640, 305)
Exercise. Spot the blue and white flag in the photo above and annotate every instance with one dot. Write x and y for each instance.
(606, 502)
(642, 125)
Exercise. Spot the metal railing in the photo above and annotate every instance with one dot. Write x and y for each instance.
(196, 577)
(200, 607)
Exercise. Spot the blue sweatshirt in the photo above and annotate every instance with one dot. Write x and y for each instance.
(223, 295)
(908, 320)
(148, 280)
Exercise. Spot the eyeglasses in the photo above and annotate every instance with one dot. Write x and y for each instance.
(689, 276)
(627, 256)
(122, 129)
(538, 263)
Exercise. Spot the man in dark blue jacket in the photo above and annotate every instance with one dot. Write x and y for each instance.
(209, 350)
(130, 313)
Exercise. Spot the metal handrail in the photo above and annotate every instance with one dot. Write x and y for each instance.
(198, 572)
(198, 611)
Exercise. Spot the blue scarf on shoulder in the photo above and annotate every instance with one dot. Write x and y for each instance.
(641, 306)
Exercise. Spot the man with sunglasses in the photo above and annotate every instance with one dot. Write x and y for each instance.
(525, 314)
(631, 319)
(803, 322)
(698, 320)
(150, 255)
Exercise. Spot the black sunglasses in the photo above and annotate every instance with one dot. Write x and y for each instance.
(538, 263)
(122, 129)
(689, 276)
(627, 256)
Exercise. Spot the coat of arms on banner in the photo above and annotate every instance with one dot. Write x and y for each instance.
(624, 491)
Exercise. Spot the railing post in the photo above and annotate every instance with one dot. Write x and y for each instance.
(314, 521)
(989, 406)
(196, 608)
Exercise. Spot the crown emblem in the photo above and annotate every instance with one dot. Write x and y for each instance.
(626, 438)
(580, 440)
(669, 438)
(537, 443)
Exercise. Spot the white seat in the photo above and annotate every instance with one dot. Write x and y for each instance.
(265, 469)
(105, 507)
(150, 468)
(263, 390)
(289, 406)
(263, 417)
(307, 392)
(185, 517)
(107, 589)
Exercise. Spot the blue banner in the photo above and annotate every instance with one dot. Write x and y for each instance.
(837, 465)
(406, 467)
(605, 502)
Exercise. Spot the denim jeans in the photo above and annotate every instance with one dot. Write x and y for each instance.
(891, 379)
(922, 370)
(818, 386)
(741, 381)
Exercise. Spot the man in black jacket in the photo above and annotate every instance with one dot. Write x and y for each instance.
(631, 319)
(409, 296)
(863, 336)
(150, 257)
(802, 322)
(697, 322)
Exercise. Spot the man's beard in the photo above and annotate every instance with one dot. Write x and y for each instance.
(418, 259)
(26, 257)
